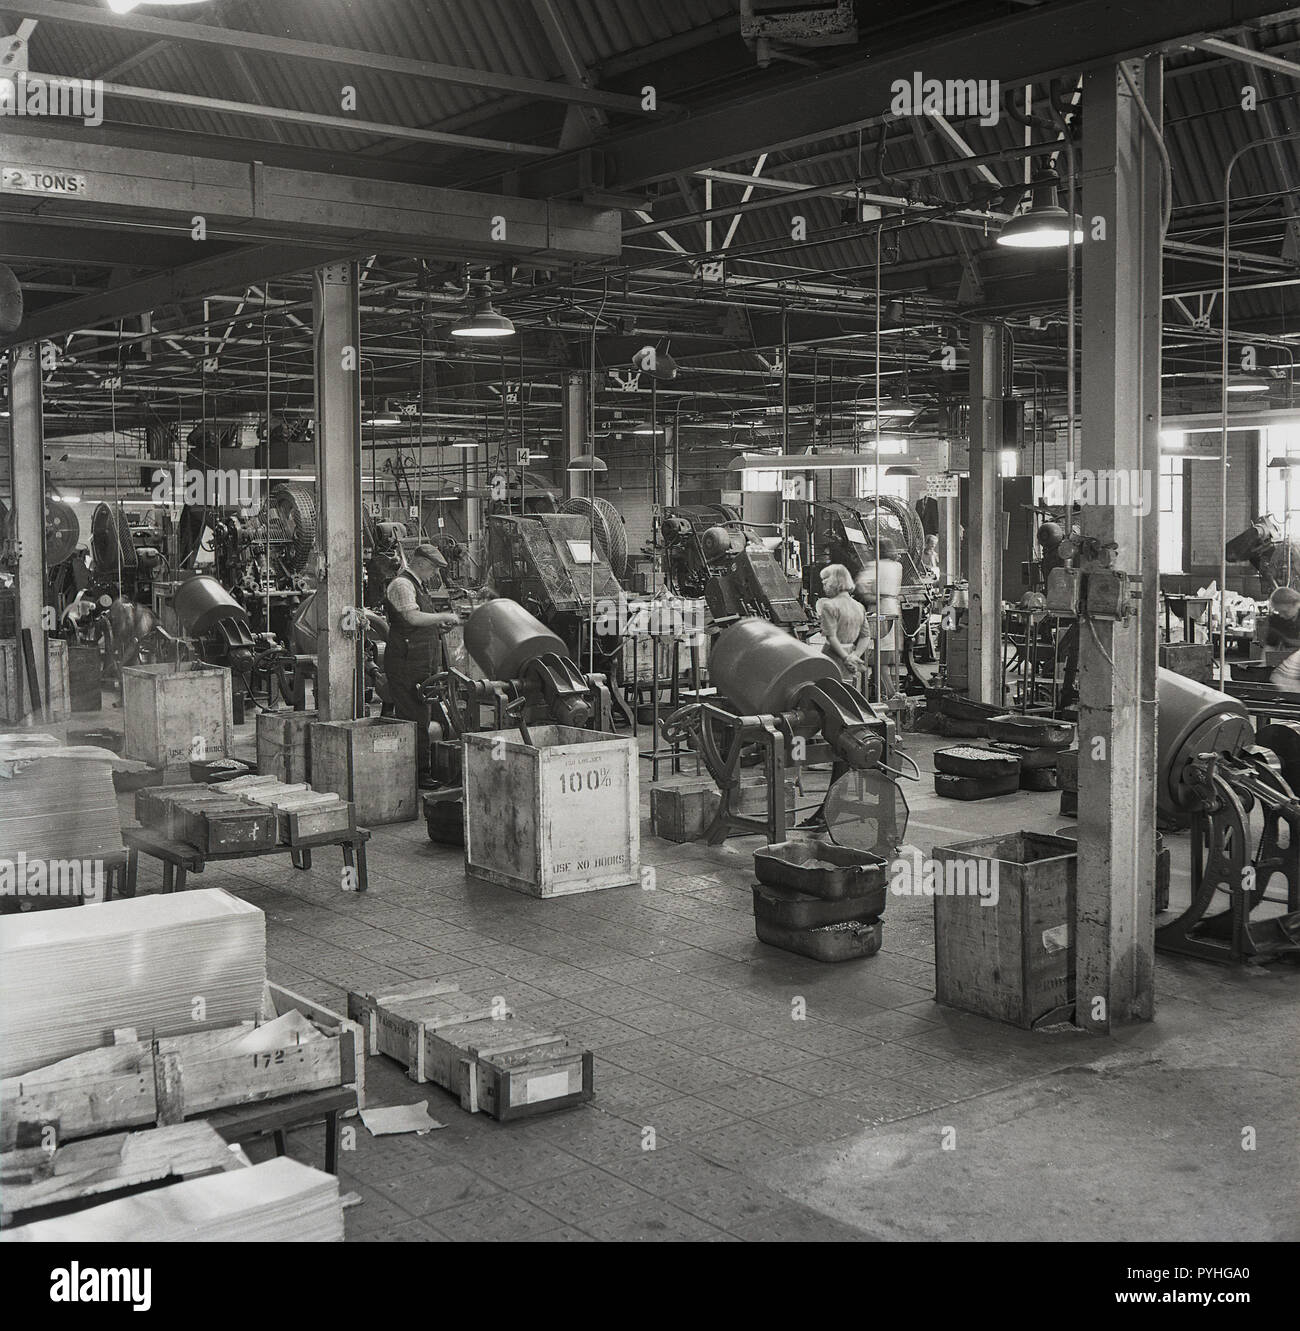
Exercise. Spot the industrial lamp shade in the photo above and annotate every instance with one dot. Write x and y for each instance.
(587, 462)
(484, 321)
(1046, 225)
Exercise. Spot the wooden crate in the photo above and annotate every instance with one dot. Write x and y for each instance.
(177, 713)
(507, 1068)
(398, 1024)
(223, 831)
(303, 820)
(370, 763)
(133, 1082)
(284, 745)
(683, 813)
(56, 692)
(1012, 960)
(557, 816)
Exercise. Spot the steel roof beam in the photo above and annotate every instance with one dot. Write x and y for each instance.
(257, 43)
(1043, 43)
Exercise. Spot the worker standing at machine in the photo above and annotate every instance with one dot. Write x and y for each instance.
(846, 636)
(843, 622)
(414, 650)
(878, 587)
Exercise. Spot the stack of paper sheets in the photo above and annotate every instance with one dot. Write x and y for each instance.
(165, 965)
(60, 808)
(280, 1201)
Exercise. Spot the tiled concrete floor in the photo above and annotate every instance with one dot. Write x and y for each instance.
(765, 1127)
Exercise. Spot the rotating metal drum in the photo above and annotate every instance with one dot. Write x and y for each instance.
(502, 637)
(1192, 719)
(202, 602)
(760, 667)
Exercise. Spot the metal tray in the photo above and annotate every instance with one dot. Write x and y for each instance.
(1038, 732)
(784, 909)
(819, 869)
(842, 943)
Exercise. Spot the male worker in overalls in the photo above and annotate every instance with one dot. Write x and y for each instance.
(414, 650)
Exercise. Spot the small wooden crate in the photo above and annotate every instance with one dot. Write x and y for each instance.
(304, 820)
(151, 802)
(371, 764)
(508, 1069)
(1013, 958)
(398, 1024)
(284, 745)
(177, 713)
(238, 830)
(683, 813)
(557, 816)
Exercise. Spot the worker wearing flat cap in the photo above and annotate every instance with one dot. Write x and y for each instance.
(414, 650)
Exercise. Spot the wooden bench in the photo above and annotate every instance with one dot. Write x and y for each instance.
(180, 858)
(241, 1123)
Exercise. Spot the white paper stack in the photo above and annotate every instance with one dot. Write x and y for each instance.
(61, 808)
(280, 1201)
(165, 965)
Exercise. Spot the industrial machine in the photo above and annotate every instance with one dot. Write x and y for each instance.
(1263, 546)
(709, 552)
(1238, 801)
(527, 678)
(777, 696)
(549, 563)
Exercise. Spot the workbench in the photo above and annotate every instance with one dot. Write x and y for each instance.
(180, 858)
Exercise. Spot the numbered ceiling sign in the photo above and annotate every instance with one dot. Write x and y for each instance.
(521, 457)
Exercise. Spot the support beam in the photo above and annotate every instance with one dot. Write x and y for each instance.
(1248, 55)
(1115, 940)
(337, 317)
(1031, 47)
(192, 282)
(984, 516)
(282, 48)
(27, 470)
(574, 415)
(251, 201)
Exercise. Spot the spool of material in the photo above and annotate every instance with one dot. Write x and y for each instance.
(502, 638)
(760, 667)
(202, 601)
(1192, 719)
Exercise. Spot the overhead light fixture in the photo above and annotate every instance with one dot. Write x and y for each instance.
(1247, 386)
(1284, 463)
(863, 409)
(464, 443)
(897, 470)
(645, 429)
(1046, 225)
(383, 420)
(484, 321)
(587, 462)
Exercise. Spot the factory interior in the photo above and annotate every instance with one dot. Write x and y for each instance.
(632, 623)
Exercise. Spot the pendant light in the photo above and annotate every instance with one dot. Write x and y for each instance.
(1046, 225)
(484, 321)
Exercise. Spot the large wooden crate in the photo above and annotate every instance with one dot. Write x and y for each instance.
(177, 713)
(556, 816)
(15, 696)
(1013, 958)
(370, 763)
(284, 745)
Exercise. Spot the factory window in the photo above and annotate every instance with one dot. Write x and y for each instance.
(1282, 441)
(1009, 462)
(868, 483)
(760, 480)
(1171, 514)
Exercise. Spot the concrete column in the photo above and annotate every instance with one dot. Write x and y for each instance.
(1115, 945)
(27, 470)
(575, 395)
(337, 321)
(984, 521)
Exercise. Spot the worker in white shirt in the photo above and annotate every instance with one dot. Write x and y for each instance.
(1284, 620)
